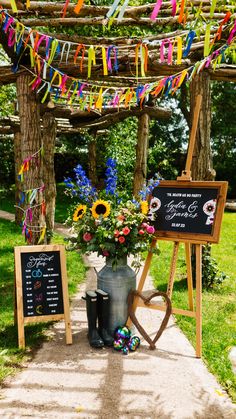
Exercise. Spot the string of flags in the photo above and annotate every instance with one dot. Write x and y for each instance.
(89, 96)
(173, 49)
(118, 8)
(29, 199)
(96, 96)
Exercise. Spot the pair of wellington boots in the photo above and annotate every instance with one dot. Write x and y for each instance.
(97, 304)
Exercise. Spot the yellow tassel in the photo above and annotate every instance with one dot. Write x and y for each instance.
(183, 75)
(99, 100)
(207, 46)
(14, 6)
(32, 57)
(104, 61)
(179, 50)
(42, 235)
(91, 59)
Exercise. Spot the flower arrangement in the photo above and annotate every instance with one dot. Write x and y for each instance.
(104, 223)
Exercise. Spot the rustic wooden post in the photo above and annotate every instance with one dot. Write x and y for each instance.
(202, 168)
(31, 144)
(92, 159)
(18, 162)
(140, 171)
(49, 138)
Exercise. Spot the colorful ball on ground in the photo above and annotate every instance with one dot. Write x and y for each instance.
(118, 344)
(123, 333)
(125, 350)
(133, 343)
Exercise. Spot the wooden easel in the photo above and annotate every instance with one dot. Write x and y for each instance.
(197, 312)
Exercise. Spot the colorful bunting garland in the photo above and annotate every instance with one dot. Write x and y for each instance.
(97, 96)
(29, 198)
(170, 49)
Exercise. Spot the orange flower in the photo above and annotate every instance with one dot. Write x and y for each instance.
(120, 217)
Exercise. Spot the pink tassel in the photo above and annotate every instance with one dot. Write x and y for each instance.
(174, 6)
(156, 10)
(232, 33)
(170, 53)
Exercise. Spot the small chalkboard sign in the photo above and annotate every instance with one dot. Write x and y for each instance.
(188, 210)
(41, 287)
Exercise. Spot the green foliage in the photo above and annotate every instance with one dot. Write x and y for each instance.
(7, 99)
(212, 276)
(69, 151)
(167, 139)
(224, 133)
(7, 173)
(120, 144)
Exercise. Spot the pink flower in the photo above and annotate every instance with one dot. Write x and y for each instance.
(150, 229)
(87, 237)
(116, 233)
(141, 232)
(105, 253)
(121, 239)
(126, 230)
(144, 225)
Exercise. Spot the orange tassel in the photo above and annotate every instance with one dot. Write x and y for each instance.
(78, 6)
(65, 8)
(181, 13)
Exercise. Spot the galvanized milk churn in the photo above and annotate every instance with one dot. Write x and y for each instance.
(117, 281)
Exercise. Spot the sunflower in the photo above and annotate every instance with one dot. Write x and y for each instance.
(79, 212)
(100, 207)
(144, 207)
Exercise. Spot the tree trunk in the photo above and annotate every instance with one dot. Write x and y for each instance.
(202, 157)
(92, 161)
(202, 165)
(140, 171)
(18, 162)
(49, 138)
(34, 221)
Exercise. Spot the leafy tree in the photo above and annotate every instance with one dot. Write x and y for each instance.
(7, 97)
(167, 142)
(224, 133)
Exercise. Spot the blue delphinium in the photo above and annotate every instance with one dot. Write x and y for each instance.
(111, 177)
(147, 189)
(86, 192)
(70, 186)
(83, 188)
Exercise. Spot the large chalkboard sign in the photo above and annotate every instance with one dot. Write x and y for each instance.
(41, 286)
(188, 210)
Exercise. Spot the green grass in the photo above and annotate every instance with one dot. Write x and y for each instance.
(7, 199)
(219, 304)
(11, 357)
(7, 202)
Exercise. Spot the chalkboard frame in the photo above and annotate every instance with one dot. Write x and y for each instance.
(21, 319)
(221, 188)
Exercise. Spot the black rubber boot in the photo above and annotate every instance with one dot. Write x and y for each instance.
(93, 335)
(103, 306)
